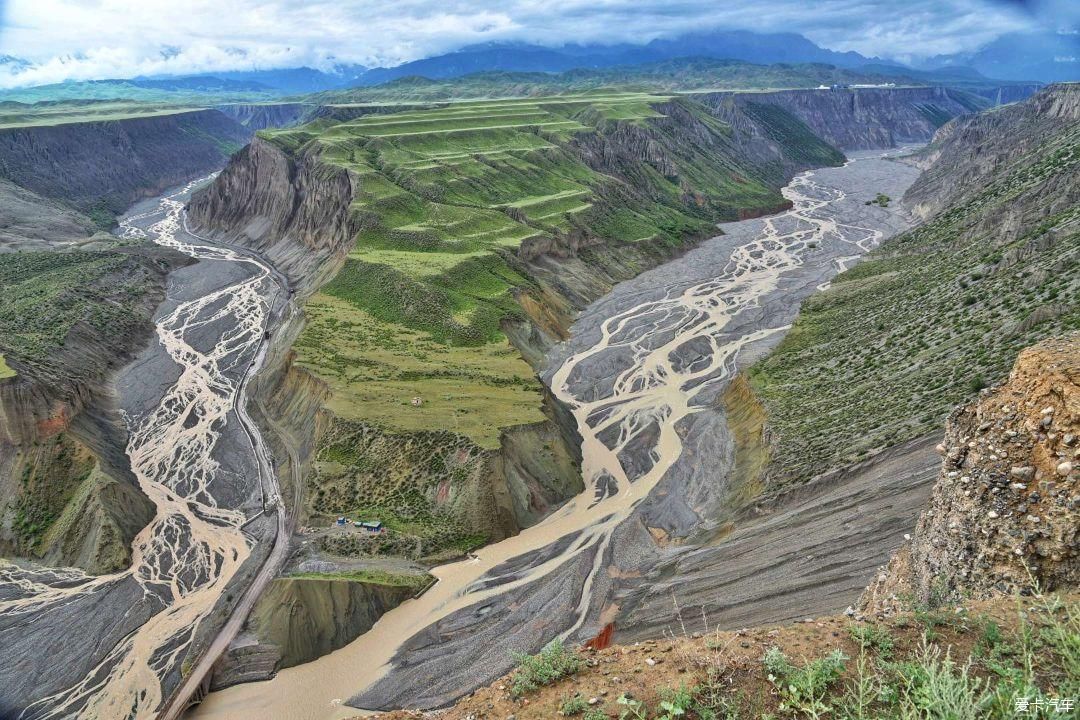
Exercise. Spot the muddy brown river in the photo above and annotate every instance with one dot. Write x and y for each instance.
(200, 460)
(641, 375)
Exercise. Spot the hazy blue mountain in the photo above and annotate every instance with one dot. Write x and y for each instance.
(760, 48)
(191, 83)
(1048, 57)
(301, 80)
(236, 84)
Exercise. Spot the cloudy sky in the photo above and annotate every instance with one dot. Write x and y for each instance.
(92, 39)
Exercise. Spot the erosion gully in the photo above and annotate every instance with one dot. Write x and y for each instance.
(199, 457)
(633, 380)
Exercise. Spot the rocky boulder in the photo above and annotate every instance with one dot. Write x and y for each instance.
(1004, 516)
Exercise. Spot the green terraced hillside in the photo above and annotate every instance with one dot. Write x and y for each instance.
(941, 311)
(461, 241)
(452, 199)
(14, 114)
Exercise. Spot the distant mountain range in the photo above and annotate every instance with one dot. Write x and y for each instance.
(1042, 57)
(680, 74)
(759, 48)
(1047, 56)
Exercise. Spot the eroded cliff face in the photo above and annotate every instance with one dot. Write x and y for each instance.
(259, 116)
(293, 209)
(868, 118)
(969, 153)
(1004, 515)
(111, 164)
(300, 619)
(69, 496)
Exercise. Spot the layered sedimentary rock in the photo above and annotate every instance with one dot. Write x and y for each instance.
(111, 164)
(867, 118)
(300, 619)
(31, 222)
(1004, 516)
(259, 116)
(291, 208)
(969, 153)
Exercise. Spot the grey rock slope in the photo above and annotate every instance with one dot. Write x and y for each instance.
(111, 164)
(868, 118)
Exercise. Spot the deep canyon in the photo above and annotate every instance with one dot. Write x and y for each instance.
(510, 331)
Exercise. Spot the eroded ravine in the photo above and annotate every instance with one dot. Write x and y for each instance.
(196, 543)
(656, 385)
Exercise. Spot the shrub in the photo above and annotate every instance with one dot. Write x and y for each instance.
(552, 663)
(873, 637)
(802, 689)
(573, 705)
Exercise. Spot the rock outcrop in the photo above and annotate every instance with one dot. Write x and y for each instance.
(868, 118)
(260, 116)
(31, 222)
(299, 619)
(292, 208)
(1004, 516)
(109, 165)
(969, 153)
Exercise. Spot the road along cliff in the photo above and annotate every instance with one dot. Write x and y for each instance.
(196, 454)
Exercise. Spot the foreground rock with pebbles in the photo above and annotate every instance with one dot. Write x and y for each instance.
(1004, 516)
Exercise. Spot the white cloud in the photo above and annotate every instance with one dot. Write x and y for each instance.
(92, 39)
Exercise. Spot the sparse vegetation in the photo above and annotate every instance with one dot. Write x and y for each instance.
(977, 668)
(873, 637)
(551, 664)
(928, 319)
(802, 688)
(48, 293)
(574, 705)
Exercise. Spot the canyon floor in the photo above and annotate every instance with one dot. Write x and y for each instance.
(643, 374)
(199, 458)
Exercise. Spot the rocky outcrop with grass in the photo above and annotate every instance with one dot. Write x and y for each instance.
(866, 118)
(941, 311)
(1004, 516)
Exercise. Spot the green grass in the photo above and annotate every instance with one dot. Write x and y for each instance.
(375, 368)
(447, 195)
(80, 112)
(550, 665)
(370, 577)
(925, 321)
(5, 370)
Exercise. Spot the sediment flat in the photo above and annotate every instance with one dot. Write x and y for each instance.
(642, 373)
